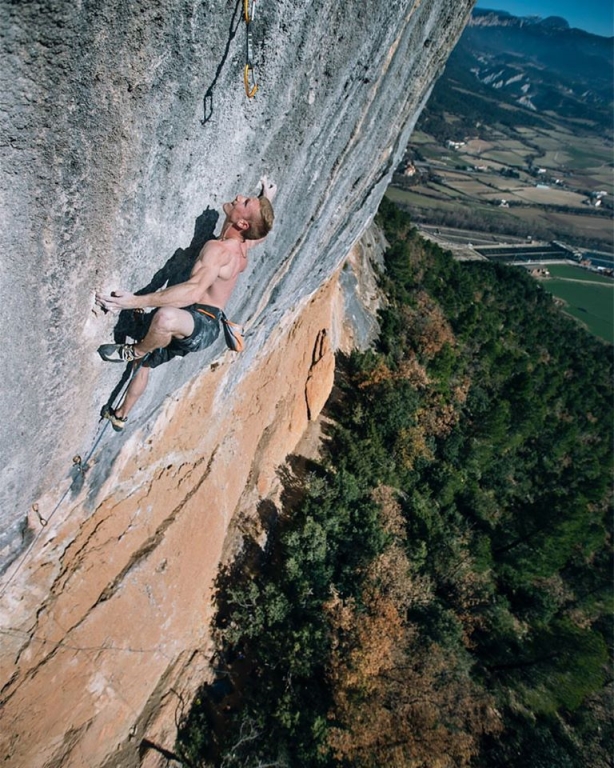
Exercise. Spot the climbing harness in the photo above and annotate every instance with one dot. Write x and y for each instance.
(80, 467)
(249, 10)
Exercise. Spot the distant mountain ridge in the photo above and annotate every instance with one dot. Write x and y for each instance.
(485, 18)
(540, 65)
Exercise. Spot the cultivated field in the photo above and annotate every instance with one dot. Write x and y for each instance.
(571, 272)
(590, 302)
(524, 182)
(534, 184)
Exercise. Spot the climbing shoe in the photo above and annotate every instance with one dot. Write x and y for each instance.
(117, 422)
(118, 353)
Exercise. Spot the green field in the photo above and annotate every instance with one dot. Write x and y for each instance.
(590, 302)
(570, 272)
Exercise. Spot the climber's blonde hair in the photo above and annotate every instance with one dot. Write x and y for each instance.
(261, 228)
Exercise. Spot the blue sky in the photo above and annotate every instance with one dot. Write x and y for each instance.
(595, 16)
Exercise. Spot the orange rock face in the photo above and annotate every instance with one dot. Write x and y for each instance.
(105, 625)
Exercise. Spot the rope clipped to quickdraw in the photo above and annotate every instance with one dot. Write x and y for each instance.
(79, 467)
(249, 9)
(82, 465)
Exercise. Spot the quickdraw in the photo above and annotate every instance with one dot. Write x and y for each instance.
(43, 521)
(80, 467)
(249, 10)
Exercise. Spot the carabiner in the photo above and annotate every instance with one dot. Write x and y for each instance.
(250, 91)
(249, 10)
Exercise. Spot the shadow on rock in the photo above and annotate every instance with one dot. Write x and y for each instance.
(135, 323)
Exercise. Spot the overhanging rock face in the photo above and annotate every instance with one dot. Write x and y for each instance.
(123, 123)
(124, 128)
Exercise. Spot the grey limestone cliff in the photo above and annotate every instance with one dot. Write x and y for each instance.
(124, 126)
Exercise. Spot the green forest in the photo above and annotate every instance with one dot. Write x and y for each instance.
(436, 591)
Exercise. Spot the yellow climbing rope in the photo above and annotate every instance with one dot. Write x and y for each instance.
(249, 9)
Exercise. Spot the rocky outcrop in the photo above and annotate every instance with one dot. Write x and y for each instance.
(123, 128)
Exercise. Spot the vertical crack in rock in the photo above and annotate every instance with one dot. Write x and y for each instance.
(320, 377)
(153, 541)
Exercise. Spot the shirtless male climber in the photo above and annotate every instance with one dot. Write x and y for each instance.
(187, 315)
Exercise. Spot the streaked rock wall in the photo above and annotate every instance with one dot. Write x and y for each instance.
(124, 126)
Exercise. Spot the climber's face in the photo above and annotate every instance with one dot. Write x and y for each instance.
(242, 209)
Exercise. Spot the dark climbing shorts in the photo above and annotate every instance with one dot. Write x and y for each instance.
(206, 330)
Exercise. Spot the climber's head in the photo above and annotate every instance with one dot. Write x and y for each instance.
(251, 216)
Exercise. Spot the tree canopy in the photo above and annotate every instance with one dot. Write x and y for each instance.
(437, 590)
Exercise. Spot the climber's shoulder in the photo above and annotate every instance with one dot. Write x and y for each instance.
(217, 251)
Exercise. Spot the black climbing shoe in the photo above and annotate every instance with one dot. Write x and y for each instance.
(118, 353)
(117, 422)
